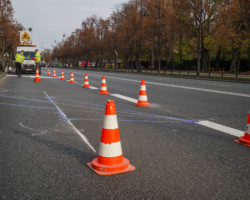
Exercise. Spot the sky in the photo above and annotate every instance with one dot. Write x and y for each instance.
(50, 19)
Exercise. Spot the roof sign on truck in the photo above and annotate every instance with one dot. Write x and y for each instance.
(25, 36)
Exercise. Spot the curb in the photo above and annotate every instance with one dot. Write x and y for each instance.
(2, 74)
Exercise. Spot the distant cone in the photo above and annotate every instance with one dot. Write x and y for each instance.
(62, 75)
(245, 140)
(37, 77)
(110, 159)
(72, 78)
(143, 99)
(49, 72)
(103, 87)
(86, 81)
(54, 73)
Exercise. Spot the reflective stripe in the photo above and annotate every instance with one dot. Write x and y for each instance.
(110, 150)
(19, 58)
(143, 87)
(103, 88)
(247, 130)
(110, 122)
(143, 98)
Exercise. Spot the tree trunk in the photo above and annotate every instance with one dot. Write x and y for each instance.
(235, 54)
(204, 59)
(217, 59)
(152, 55)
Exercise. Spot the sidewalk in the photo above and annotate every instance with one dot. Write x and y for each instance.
(2, 74)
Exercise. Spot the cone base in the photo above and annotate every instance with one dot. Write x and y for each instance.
(49, 74)
(62, 78)
(37, 80)
(54, 76)
(104, 92)
(86, 86)
(72, 82)
(106, 170)
(142, 103)
(243, 141)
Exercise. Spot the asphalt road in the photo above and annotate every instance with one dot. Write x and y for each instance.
(182, 145)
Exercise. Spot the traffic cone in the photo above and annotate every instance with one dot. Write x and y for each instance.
(54, 73)
(62, 75)
(86, 81)
(103, 86)
(49, 72)
(143, 99)
(37, 77)
(245, 140)
(110, 159)
(71, 78)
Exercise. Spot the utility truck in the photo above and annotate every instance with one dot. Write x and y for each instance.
(29, 64)
(29, 48)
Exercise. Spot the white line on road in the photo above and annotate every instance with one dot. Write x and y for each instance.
(183, 87)
(84, 138)
(28, 76)
(125, 98)
(219, 127)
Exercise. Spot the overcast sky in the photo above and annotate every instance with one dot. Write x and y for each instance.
(50, 19)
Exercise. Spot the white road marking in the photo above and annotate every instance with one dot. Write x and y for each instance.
(28, 76)
(84, 138)
(217, 84)
(183, 87)
(222, 128)
(93, 88)
(125, 98)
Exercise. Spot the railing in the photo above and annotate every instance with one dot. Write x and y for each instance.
(181, 73)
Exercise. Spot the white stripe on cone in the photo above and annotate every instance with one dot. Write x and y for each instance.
(110, 150)
(143, 98)
(143, 87)
(110, 122)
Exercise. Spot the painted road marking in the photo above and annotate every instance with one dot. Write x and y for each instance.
(183, 87)
(219, 127)
(27, 76)
(125, 98)
(69, 122)
(22, 98)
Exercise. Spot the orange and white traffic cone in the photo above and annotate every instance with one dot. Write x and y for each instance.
(37, 77)
(72, 78)
(86, 81)
(110, 159)
(49, 72)
(103, 89)
(62, 76)
(245, 140)
(54, 73)
(143, 99)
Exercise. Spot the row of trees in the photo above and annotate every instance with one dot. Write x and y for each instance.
(163, 32)
(9, 35)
